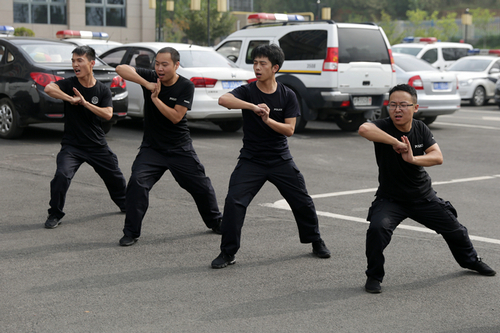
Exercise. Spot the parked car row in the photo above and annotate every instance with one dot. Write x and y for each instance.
(27, 65)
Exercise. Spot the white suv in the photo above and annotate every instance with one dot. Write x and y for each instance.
(338, 70)
(438, 54)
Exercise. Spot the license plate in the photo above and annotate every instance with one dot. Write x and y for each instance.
(360, 101)
(231, 84)
(441, 86)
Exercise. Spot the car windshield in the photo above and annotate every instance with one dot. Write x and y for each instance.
(50, 53)
(470, 65)
(406, 50)
(198, 58)
(412, 64)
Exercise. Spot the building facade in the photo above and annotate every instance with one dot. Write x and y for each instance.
(125, 21)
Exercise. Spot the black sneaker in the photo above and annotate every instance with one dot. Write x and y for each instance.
(127, 241)
(373, 286)
(320, 249)
(216, 226)
(483, 269)
(223, 260)
(52, 222)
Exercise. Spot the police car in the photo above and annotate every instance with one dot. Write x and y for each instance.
(338, 70)
(438, 54)
(477, 75)
(6, 31)
(99, 41)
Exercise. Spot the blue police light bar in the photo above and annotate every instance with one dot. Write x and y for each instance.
(6, 29)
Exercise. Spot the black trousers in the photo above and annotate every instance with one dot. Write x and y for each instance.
(69, 160)
(247, 179)
(149, 166)
(435, 213)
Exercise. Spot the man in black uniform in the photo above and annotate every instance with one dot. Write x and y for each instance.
(405, 189)
(269, 113)
(166, 144)
(86, 102)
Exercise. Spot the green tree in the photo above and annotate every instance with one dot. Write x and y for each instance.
(389, 26)
(185, 23)
(448, 26)
(416, 18)
(481, 19)
(22, 31)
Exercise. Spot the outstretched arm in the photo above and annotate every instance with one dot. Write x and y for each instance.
(371, 132)
(130, 74)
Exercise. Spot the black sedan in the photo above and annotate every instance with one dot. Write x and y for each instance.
(27, 65)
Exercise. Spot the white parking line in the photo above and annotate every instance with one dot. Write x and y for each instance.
(282, 204)
(467, 125)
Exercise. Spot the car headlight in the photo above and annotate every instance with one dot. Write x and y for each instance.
(466, 82)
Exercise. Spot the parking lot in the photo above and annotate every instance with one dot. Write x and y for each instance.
(77, 279)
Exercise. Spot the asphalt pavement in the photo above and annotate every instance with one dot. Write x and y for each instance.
(76, 278)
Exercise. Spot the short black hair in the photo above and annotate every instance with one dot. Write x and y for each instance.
(85, 50)
(174, 54)
(272, 51)
(406, 88)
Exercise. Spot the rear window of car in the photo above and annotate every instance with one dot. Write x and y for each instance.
(304, 45)
(51, 53)
(203, 59)
(362, 45)
(470, 65)
(406, 50)
(411, 64)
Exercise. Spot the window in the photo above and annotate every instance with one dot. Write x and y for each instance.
(252, 45)
(430, 56)
(40, 11)
(304, 45)
(230, 50)
(452, 53)
(362, 45)
(114, 58)
(110, 13)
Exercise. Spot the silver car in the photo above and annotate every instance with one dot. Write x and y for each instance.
(478, 76)
(437, 91)
(212, 74)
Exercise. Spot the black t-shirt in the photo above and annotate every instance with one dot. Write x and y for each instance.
(159, 132)
(258, 138)
(82, 127)
(398, 179)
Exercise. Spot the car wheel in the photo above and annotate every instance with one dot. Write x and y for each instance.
(479, 97)
(380, 114)
(429, 120)
(350, 122)
(106, 126)
(230, 125)
(9, 120)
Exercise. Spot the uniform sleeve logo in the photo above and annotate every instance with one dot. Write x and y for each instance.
(94, 100)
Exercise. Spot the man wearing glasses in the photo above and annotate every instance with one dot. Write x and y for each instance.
(403, 147)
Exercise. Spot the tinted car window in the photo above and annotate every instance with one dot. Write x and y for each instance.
(362, 45)
(304, 45)
(430, 56)
(253, 44)
(142, 58)
(114, 58)
(203, 59)
(454, 53)
(412, 64)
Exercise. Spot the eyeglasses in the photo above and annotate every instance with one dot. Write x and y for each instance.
(402, 106)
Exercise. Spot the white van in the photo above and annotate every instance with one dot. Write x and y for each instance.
(338, 70)
(438, 54)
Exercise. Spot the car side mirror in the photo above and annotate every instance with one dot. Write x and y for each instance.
(494, 71)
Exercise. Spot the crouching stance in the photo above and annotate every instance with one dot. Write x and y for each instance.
(403, 147)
